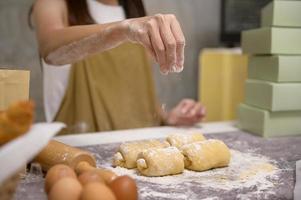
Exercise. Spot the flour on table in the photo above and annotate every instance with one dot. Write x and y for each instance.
(244, 171)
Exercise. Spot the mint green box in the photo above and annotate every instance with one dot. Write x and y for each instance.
(277, 68)
(282, 13)
(272, 41)
(273, 96)
(269, 124)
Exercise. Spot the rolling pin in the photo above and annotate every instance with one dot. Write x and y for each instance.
(79, 160)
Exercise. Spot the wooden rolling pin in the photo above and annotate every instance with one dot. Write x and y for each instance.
(81, 161)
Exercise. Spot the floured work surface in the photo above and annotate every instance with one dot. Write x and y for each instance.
(259, 169)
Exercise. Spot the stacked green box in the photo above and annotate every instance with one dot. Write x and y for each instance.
(276, 68)
(282, 13)
(273, 96)
(269, 124)
(273, 90)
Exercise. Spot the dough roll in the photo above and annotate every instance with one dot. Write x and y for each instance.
(207, 154)
(178, 140)
(128, 152)
(160, 162)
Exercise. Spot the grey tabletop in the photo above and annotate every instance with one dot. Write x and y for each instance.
(260, 169)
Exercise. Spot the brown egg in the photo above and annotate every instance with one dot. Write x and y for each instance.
(107, 175)
(56, 173)
(124, 188)
(88, 177)
(97, 191)
(65, 188)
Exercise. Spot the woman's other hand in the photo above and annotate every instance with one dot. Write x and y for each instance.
(188, 112)
(162, 36)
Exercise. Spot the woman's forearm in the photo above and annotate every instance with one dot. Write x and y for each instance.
(71, 44)
(161, 35)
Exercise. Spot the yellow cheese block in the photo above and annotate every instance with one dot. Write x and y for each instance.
(222, 77)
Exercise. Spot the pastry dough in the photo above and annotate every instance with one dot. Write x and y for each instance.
(178, 140)
(128, 152)
(160, 162)
(206, 155)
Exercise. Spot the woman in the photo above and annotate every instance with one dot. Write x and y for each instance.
(104, 80)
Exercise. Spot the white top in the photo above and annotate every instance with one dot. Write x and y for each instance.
(56, 78)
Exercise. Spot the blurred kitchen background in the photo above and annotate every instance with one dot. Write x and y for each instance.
(203, 22)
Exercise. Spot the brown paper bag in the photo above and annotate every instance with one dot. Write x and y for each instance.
(14, 86)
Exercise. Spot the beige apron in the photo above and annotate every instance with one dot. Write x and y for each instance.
(109, 91)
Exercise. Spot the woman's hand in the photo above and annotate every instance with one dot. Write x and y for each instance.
(186, 113)
(162, 36)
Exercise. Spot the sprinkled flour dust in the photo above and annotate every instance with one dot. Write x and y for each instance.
(244, 171)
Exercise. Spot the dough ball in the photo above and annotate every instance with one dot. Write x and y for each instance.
(178, 140)
(160, 162)
(207, 154)
(128, 152)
